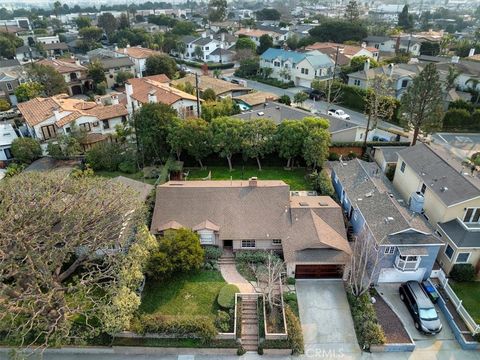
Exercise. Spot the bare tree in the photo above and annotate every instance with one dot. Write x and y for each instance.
(269, 276)
(363, 263)
(62, 251)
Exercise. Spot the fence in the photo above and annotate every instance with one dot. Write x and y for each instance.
(471, 324)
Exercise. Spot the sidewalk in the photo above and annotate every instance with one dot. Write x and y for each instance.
(231, 275)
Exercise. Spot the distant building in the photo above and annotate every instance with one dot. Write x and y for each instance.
(221, 88)
(138, 55)
(113, 66)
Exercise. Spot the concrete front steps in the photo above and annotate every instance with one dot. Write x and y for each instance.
(249, 322)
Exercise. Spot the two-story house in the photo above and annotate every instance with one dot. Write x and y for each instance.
(156, 89)
(277, 35)
(350, 51)
(301, 68)
(75, 75)
(138, 55)
(47, 118)
(399, 242)
(221, 87)
(392, 44)
(9, 81)
(449, 198)
(115, 65)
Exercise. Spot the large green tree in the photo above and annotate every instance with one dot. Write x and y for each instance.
(26, 150)
(422, 104)
(227, 137)
(152, 125)
(289, 139)
(83, 21)
(64, 275)
(339, 31)
(96, 72)
(160, 64)
(268, 14)
(52, 81)
(266, 42)
(199, 137)
(28, 91)
(9, 44)
(258, 139)
(245, 43)
(217, 10)
(352, 12)
(108, 23)
(405, 20)
(315, 147)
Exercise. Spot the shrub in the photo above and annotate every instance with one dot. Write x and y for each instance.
(128, 166)
(241, 350)
(200, 326)
(333, 156)
(4, 105)
(352, 155)
(368, 331)
(105, 156)
(462, 272)
(26, 150)
(456, 119)
(285, 99)
(14, 169)
(256, 257)
(212, 252)
(294, 329)
(322, 183)
(291, 281)
(222, 321)
(226, 296)
(290, 298)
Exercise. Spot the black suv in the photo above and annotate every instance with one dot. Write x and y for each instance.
(421, 307)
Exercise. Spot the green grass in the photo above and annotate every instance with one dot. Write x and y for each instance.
(183, 294)
(469, 293)
(182, 343)
(136, 176)
(296, 178)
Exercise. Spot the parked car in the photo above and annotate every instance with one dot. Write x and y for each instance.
(338, 114)
(235, 81)
(315, 94)
(421, 308)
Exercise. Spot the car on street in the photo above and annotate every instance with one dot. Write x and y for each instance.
(421, 308)
(338, 114)
(314, 94)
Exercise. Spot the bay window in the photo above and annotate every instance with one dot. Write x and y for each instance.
(407, 262)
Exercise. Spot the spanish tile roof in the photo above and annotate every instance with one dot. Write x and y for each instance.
(62, 66)
(206, 82)
(447, 183)
(137, 52)
(37, 110)
(164, 92)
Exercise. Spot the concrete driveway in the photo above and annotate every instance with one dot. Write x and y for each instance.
(445, 339)
(326, 318)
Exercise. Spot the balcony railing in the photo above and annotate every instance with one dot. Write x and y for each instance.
(407, 263)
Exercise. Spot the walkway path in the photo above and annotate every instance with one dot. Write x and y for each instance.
(230, 273)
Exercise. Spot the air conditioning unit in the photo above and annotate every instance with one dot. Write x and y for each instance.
(95, 124)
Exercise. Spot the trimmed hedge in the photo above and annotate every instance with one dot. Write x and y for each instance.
(211, 66)
(368, 330)
(183, 325)
(462, 272)
(226, 296)
(294, 330)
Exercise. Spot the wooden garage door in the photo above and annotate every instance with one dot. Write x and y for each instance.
(319, 271)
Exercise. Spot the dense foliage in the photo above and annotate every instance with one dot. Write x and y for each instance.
(463, 272)
(26, 150)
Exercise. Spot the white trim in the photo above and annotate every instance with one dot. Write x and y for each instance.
(409, 229)
(462, 262)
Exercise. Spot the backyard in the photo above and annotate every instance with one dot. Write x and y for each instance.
(296, 178)
(183, 294)
(135, 176)
(469, 293)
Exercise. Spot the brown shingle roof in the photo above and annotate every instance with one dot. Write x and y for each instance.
(257, 98)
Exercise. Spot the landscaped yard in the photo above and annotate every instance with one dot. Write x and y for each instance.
(296, 178)
(183, 294)
(136, 176)
(469, 293)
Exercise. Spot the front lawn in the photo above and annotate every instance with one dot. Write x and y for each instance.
(183, 294)
(296, 178)
(469, 293)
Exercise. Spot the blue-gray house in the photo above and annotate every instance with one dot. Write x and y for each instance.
(405, 246)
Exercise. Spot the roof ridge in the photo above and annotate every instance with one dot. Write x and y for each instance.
(315, 218)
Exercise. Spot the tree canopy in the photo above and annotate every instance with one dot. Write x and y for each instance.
(339, 31)
(266, 42)
(52, 81)
(108, 23)
(160, 64)
(217, 10)
(405, 20)
(245, 43)
(352, 12)
(227, 137)
(268, 14)
(258, 138)
(28, 91)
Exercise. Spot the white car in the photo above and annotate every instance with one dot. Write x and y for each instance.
(338, 114)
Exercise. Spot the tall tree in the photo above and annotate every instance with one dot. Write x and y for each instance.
(67, 247)
(315, 147)
(83, 21)
(108, 23)
(266, 42)
(160, 64)
(405, 20)
(245, 43)
(217, 10)
(52, 81)
(289, 139)
(352, 12)
(96, 72)
(258, 138)
(339, 31)
(57, 8)
(422, 103)
(227, 137)
(199, 139)
(123, 21)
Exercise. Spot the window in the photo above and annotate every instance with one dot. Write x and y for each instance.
(402, 167)
(472, 215)
(9, 86)
(276, 63)
(462, 257)
(8, 153)
(276, 242)
(248, 243)
(361, 135)
(73, 76)
(207, 48)
(48, 132)
(389, 250)
(356, 82)
(424, 187)
(304, 71)
(106, 124)
(207, 237)
(407, 263)
(404, 83)
(377, 46)
(85, 126)
(449, 251)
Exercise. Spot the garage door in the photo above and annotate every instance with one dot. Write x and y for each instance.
(319, 271)
(393, 275)
(304, 82)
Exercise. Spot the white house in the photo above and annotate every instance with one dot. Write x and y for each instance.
(7, 135)
(47, 118)
(138, 55)
(156, 89)
(301, 68)
(389, 44)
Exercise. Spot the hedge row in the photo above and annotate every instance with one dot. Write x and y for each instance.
(461, 120)
(370, 143)
(210, 66)
(180, 325)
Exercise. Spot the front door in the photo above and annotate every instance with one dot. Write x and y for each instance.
(228, 244)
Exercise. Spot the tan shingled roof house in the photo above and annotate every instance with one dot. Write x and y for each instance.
(259, 215)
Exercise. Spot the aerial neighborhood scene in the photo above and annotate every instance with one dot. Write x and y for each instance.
(213, 179)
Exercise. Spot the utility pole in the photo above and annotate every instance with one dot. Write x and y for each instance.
(196, 93)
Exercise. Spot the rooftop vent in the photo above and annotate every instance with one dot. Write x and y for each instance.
(369, 194)
(260, 113)
(322, 204)
(444, 188)
(303, 204)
